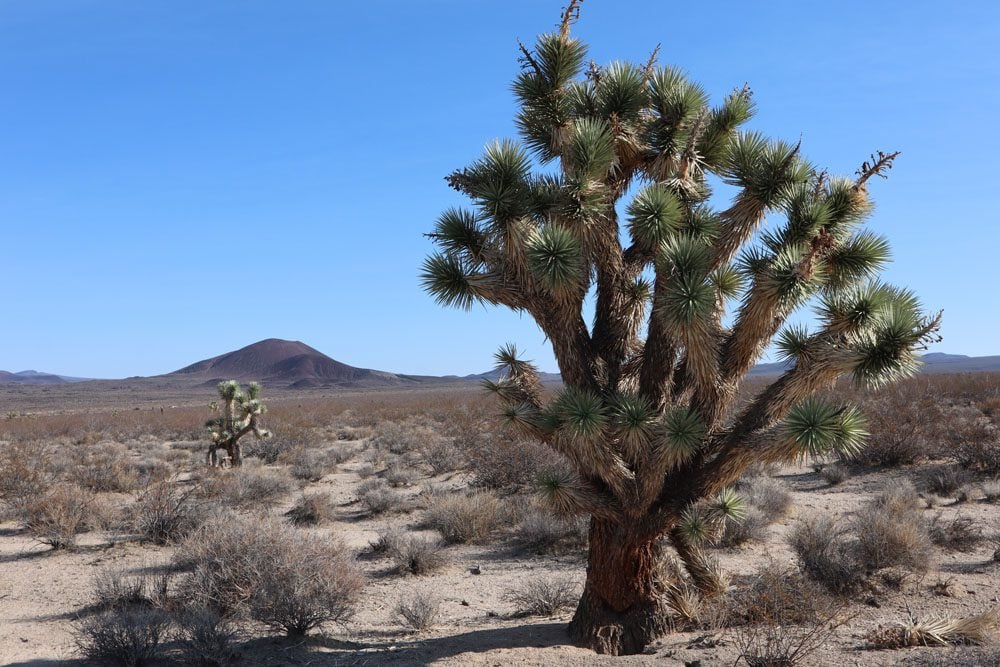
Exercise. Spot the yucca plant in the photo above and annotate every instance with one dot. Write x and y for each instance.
(241, 412)
(686, 297)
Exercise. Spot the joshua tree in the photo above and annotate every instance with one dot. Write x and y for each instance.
(685, 300)
(241, 412)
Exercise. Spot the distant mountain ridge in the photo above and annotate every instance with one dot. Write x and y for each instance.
(294, 365)
(36, 377)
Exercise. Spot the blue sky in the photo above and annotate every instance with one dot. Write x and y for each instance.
(181, 178)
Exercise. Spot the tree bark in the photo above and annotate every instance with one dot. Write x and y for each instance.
(622, 609)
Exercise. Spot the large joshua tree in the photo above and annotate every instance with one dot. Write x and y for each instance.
(686, 297)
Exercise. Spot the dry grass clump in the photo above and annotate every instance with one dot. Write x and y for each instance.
(891, 532)
(936, 631)
(541, 532)
(767, 500)
(338, 454)
(207, 638)
(115, 587)
(834, 474)
(246, 488)
(905, 425)
(269, 572)
(123, 637)
(377, 498)
(543, 596)
(415, 555)
(103, 467)
(991, 490)
(945, 480)
(504, 464)
(25, 474)
(311, 509)
(887, 533)
(401, 437)
(442, 455)
(466, 519)
(419, 610)
(58, 515)
(398, 474)
(960, 534)
(783, 618)
(164, 513)
(768, 495)
(310, 465)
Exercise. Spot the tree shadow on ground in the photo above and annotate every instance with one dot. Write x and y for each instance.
(417, 650)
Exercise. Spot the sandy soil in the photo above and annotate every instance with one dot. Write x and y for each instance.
(42, 592)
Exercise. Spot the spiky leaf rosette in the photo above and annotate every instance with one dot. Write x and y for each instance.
(815, 428)
(555, 258)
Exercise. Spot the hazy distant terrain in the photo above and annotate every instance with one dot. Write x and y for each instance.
(284, 364)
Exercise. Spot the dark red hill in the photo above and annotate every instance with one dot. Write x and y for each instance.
(285, 363)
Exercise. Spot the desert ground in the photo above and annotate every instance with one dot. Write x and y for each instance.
(428, 505)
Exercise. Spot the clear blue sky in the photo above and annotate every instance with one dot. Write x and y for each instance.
(180, 178)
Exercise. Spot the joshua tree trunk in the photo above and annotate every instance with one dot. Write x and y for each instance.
(622, 608)
(648, 423)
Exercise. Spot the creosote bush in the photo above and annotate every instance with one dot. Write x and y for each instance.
(419, 610)
(311, 509)
(123, 636)
(543, 596)
(466, 519)
(269, 572)
(415, 555)
(889, 532)
(56, 516)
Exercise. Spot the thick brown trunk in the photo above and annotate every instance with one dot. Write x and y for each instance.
(622, 609)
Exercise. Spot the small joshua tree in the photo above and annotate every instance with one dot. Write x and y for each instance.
(681, 311)
(241, 412)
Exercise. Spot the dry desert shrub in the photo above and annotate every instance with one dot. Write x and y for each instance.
(887, 533)
(338, 454)
(309, 465)
(123, 636)
(402, 437)
(543, 596)
(541, 532)
(905, 425)
(991, 490)
(783, 618)
(416, 555)
(116, 588)
(165, 513)
(960, 534)
(466, 519)
(103, 467)
(269, 572)
(419, 610)
(442, 455)
(377, 498)
(752, 527)
(398, 474)
(59, 514)
(506, 464)
(768, 495)
(311, 509)
(834, 474)
(891, 532)
(207, 638)
(26, 473)
(246, 488)
(945, 481)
